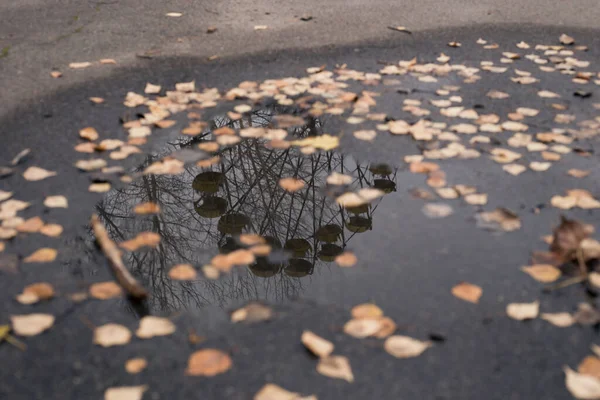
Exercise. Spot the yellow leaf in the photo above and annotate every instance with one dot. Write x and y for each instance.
(542, 272)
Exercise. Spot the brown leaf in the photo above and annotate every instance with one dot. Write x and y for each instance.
(337, 367)
(437, 210)
(55, 74)
(566, 39)
(102, 187)
(586, 314)
(147, 208)
(523, 311)
(561, 319)
(31, 324)
(476, 199)
(362, 328)
(346, 259)
(152, 89)
(168, 166)
(542, 272)
(291, 184)
(125, 393)
(105, 290)
(251, 313)
(52, 230)
(36, 292)
(136, 365)
(56, 202)
(42, 255)
(514, 169)
(149, 239)
(590, 366)
(31, 225)
(567, 238)
(388, 326)
(499, 219)
(89, 133)
(109, 335)
(581, 386)
(578, 173)
(183, 272)
(208, 362)
(273, 392)
(151, 326)
(405, 347)
(467, 292)
(37, 174)
(366, 310)
(316, 344)
(91, 164)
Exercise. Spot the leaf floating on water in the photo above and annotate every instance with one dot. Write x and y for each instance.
(324, 142)
(37, 174)
(346, 259)
(566, 39)
(567, 238)
(316, 344)
(99, 187)
(56, 202)
(582, 386)
(80, 65)
(548, 94)
(151, 326)
(169, 166)
(89, 133)
(105, 290)
(542, 272)
(125, 393)
(291, 184)
(136, 365)
(561, 319)
(405, 347)
(183, 272)
(500, 219)
(146, 208)
(362, 328)
(251, 313)
(31, 324)
(32, 225)
(42, 255)
(111, 335)
(36, 292)
(271, 391)
(208, 362)
(578, 173)
(467, 292)
(590, 366)
(437, 210)
(514, 169)
(260, 27)
(366, 310)
(586, 314)
(149, 239)
(152, 89)
(523, 311)
(337, 367)
(366, 135)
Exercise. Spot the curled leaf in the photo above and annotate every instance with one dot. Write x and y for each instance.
(316, 344)
(405, 347)
(337, 367)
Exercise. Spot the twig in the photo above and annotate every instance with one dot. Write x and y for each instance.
(112, 253)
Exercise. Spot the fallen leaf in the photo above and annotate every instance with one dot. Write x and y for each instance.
(467, 292)
(89, 133)
(37, 174)
(542, 272)
(366, 310)
(56, 74)
(174, 14)
(31, 324)
(346, 259)
(499, 219)
(337, 367)
(496, 94)
(586, 314)
(150, 239)
(56, 202)
(146, 208)
(514, 169)
(183, 272)
(539, 166)
(125, 393)
(590, 366)
(405, 347)
(523, 311)
(291, 184)
(260, 27)
(136, 365)
(251, 313)
(42, 255)
(388, 326)
(31, 225)
(563, 202)
(208, 362)
(367, 135)
(578, 173)
(324, 142)
(170, 166)
(362, 328)
(271, 391)
(90, 165)
(99, 187)
(561, 319)
(566, 39)
(109, 335)
(582, 386)
(316, 344)
(79, 65)
(151, 326)
(437, 210)
(105, 290)
(96, 100)
(476, 199)
(567, 238)
(35, 292)
(548, 94)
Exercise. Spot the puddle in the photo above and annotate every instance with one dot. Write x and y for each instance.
(204, 210)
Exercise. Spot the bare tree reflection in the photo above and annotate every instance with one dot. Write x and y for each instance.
(202, 210)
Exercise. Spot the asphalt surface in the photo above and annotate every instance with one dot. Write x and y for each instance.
(407, 263)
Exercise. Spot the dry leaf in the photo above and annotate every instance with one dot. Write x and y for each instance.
(174, 14)
(260, 27)
(79, 65)
(105, 290)
(125, 393)
(90, 165)
(366, 310)
(578, 173)
(324, 142)
(150, 239)
(56, 202)
(99, 187)
(590, 366)
(168, 166)
(346, 259)
(563, 202)
(52, 230)
(253, 312)
(547, 94)
(542, 272)
(467, 292)
(136, 365)
(514, 169)
(566, 39)
(523, 311)
(567, 238)
(146, 208)
(31, 324)
(316, 344)
(367, 135)
(56, 74)
(362, 328)
(405, 347)
(36, 292)
(476, 199)
(96, 100)
(89, 133)
(31, 225)
(111, 335)
(499, 219)
(581, 386)
(291, 184)
(437, 210)
(539, 166)
(273, 392)
(151, 326)
(388, 326)
(561, 319)
(208, 362)
(337, 367)
(152, 89)
(183, 272)
(37, 174)
(42, 255)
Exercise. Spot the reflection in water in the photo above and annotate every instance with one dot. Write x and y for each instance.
(203, 209)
